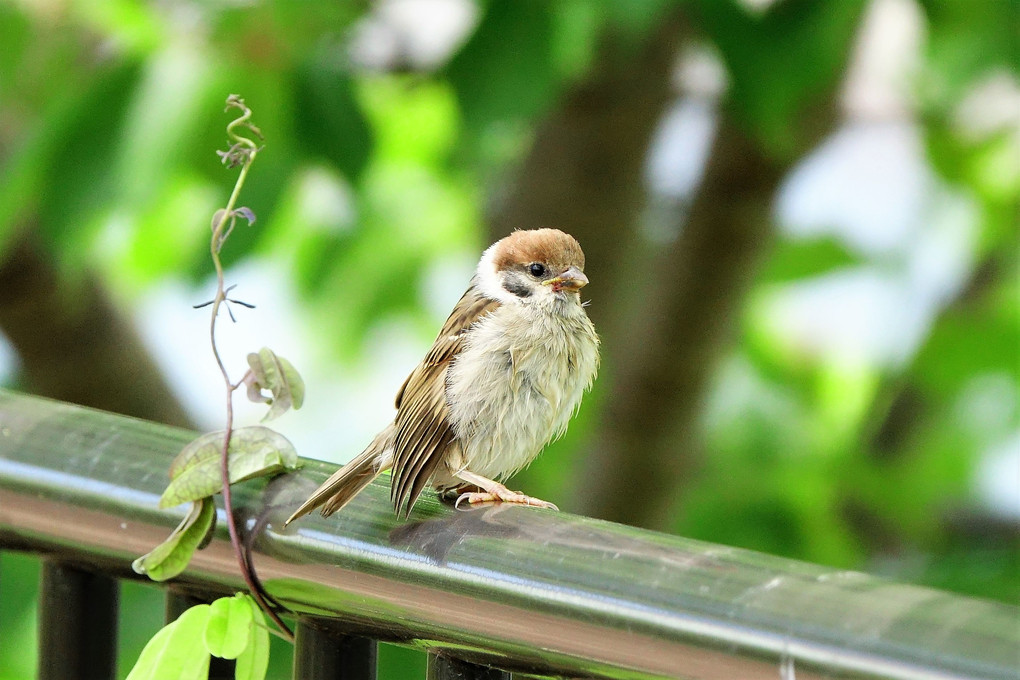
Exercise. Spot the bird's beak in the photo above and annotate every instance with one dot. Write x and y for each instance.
(572, 279)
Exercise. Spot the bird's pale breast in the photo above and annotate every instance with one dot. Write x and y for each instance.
(517, 382)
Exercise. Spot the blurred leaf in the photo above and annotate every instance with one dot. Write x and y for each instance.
(266, 34)
(176, 652)
(413, 215)
(254, 452)
(968, 40)
(171, 557)
(315, 256)
(167, 108)
(633, 20)
(577, 25)
(414, 121)
(170, 235)
(329, 123)
(782, 61)
(229, 628)
(138, 26)
(505, 71)
(972, 338)
(313, 225)
(996, 168)
(76, 147)
(782, 509)
(254, 660)
(983, 568)
(15, 36)
(988, 167)
(276, 374)
(42, 65)
(794, 259)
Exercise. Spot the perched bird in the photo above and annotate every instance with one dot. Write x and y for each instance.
(502, 379)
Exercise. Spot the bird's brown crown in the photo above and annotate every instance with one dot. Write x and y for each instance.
(553, 247)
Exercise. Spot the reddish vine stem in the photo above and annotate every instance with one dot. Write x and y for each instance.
(243, 152)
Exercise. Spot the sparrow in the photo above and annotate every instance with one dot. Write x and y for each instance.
(502, 379)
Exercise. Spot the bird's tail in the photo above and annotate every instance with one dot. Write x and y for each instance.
(344, 484)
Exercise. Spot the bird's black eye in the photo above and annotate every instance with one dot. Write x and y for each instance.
(537, 269)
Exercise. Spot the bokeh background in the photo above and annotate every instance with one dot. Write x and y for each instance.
(800, 218)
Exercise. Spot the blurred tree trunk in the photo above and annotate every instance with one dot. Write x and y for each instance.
(665, 347)
(675, 303)
(72, 342)
(584, 173)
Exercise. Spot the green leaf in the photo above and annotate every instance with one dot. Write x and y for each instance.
(978, 337)
(782, 62)
(176, 652)
(967, 41)
(276, 374)
(75, 191)
(253, 662)
(63, 167)
(506, 70)
(169, 558)
(254, 452)
(229, 629)
(796, 259)
(415, 122)
(331, 123)
(154, 140)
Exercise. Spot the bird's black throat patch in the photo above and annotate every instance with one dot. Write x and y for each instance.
(514, 284)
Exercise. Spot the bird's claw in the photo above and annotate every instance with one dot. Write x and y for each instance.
(502, 496)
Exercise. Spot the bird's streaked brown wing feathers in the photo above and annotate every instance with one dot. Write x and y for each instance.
(423, 426)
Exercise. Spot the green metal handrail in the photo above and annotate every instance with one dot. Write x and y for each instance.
(537, 591)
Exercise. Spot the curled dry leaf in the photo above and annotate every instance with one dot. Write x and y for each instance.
(254, 389)
(254, 452)
(169, 558)
(216, 218)
(275, 374)
(247, 213)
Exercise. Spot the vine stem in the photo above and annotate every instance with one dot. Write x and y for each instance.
(216, 243)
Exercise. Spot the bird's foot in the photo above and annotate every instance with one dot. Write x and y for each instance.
(500, 494)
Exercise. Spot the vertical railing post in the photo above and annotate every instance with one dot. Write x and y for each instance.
(177, 604)
(442, 667)
(322, 654)
(77, 624)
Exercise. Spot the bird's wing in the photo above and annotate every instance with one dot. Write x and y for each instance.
(423, 427)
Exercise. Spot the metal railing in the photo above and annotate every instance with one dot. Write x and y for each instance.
(507, 588)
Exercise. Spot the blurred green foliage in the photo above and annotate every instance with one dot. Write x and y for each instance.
(371, 176)
(781, 61)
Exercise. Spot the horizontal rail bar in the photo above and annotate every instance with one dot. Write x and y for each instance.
(515, 588)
